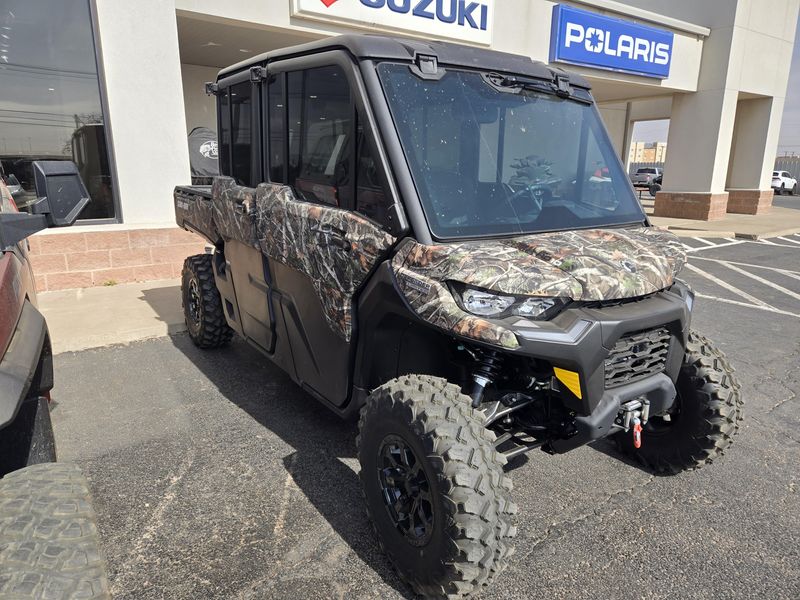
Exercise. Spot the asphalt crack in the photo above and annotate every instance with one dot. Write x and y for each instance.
(558, 528)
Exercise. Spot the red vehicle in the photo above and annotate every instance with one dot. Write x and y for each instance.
(39, 557)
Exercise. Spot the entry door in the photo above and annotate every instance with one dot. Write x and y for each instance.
(320, 249)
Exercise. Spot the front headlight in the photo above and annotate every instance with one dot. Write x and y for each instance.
(484, 303)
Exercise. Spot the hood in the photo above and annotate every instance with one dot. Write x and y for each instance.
(589, 265)
(596, 264)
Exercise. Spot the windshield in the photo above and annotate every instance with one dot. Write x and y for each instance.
(487, 161)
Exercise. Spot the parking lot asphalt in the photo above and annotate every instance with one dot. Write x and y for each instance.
(214, 476)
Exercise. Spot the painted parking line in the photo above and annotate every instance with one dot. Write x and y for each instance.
(729, 287)
(763, 281)
(786, 239)
(767, 308)
(702, 248)
(705, 241)
(771, 243)
(787, 272)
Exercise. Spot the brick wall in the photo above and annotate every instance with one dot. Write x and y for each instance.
(691, 205)
(78, 260)
(749, 202)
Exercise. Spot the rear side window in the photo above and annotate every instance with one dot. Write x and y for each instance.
(224, 134)
(277, 128)
(241, 143)
(321, 136)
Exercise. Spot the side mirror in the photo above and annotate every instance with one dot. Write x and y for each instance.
(61, 198)
(60, 190)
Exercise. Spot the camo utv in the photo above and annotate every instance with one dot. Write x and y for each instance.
(442, 240)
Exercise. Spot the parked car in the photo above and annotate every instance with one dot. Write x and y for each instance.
(644, 176)
(49, 545)
(783, 182)
(471, 296)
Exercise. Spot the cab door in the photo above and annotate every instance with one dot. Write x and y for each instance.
(243, 276)
(320, 248)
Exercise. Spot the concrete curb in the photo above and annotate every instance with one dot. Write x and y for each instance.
(769, 234)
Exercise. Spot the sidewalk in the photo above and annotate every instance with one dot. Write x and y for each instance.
(94, 317)
(778, 221)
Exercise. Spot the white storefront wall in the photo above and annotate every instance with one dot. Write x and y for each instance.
(724, 53)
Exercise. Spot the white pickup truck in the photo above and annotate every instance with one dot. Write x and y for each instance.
(644, 176)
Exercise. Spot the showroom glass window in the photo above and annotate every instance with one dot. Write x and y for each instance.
(50, 105)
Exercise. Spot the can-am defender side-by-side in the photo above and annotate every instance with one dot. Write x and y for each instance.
(441, 239)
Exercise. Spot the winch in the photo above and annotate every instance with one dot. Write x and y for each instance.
(633, 414)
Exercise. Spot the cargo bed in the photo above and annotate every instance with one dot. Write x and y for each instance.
(194, 210)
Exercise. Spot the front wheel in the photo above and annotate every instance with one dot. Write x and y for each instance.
(434, 486)
(793, 192)
(705, 417)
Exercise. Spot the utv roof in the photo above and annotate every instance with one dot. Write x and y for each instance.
(401, 49)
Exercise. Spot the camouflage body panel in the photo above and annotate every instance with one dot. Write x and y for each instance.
(430, 298)
(336, 248)
(195, 212)
(234, 210)
(589, 265)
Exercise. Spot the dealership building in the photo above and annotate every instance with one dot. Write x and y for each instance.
(118, 86)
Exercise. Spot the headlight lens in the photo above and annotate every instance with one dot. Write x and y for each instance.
(484, 303)
(538, 308)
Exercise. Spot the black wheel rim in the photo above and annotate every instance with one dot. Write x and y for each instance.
(193, 302)
(406, 490)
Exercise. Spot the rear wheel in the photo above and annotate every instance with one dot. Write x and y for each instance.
(706, 415)
(782, 189)
(434, 486)
(202, 304)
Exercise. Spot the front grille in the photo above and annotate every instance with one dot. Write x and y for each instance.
(637, 356)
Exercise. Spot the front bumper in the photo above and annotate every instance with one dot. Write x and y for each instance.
(582, 338)
(26, 369)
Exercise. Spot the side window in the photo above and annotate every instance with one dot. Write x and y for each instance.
(321, 136)
(241, 146)
(277, 128)
(224, 134)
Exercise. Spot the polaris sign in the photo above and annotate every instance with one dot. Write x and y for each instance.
(463, 20)
(585, 38)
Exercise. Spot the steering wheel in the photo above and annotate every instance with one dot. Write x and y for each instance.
(536, 191)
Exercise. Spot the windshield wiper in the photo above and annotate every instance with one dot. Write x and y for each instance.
(558, 86)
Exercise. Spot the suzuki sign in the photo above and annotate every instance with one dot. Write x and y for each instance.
(464, 20)
(585, 38)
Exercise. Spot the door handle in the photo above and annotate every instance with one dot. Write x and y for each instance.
(334, 236)
(340, 242)
(329, 230)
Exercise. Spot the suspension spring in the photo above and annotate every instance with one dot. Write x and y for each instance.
(487, 370)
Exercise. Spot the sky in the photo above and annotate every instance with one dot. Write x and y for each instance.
(789, 141)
